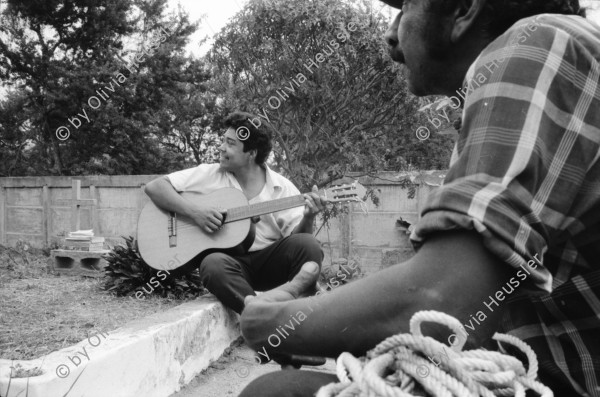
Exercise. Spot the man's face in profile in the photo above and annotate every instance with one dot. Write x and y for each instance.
(417, 39)
(233, 158)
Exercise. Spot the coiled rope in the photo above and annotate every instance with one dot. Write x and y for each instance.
(412, 363)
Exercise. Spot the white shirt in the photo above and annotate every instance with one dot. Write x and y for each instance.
(206, 178)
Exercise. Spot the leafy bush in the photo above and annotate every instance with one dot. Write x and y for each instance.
(127, 273)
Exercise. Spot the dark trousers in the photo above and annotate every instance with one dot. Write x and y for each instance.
(232, 278)
(288, 383)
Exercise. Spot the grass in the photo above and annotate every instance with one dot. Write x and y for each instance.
(42, 312)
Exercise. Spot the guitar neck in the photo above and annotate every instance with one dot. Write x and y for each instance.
(267, 207)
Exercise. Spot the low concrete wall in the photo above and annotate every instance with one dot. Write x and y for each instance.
(151, 357)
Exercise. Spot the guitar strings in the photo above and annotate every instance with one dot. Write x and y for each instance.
(258, 209)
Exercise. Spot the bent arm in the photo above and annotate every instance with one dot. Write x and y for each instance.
(314, 204)
(305, 225)
(452, 273)
(164, 195)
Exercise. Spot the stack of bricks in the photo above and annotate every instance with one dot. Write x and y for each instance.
(85, 254)
(82, 255)
(75, 262)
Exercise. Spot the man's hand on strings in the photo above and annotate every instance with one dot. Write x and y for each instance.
(313, 203)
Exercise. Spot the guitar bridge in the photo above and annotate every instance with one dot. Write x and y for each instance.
(172, 226)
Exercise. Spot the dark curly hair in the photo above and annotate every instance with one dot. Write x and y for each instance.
(258, 138)
(499, 15)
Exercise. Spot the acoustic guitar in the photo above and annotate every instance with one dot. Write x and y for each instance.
(168, 241)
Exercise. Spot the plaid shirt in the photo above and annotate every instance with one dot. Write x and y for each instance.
(525, 174)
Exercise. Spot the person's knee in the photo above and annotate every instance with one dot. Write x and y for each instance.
(309, 246)
(261, 386)
(214, 266)
(290, 383)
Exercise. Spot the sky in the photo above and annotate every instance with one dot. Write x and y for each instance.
(593, 9)
(218, 13)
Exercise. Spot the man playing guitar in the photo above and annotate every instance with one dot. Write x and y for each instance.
(283, 240)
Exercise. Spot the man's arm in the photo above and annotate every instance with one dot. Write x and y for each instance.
(305, 225)
(313, 205)
(452, 273)
(164, 195)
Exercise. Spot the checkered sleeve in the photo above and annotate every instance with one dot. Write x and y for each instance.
(529, 135)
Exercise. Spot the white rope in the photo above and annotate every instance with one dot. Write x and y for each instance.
(404, 364)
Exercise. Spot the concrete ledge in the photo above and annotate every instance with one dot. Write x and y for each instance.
(151, 357)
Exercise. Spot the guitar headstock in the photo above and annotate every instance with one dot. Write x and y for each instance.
(348, 192)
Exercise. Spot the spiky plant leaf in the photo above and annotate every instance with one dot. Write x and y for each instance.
(126, 273)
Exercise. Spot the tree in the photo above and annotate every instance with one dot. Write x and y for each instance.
(73, 71)
(319, 73)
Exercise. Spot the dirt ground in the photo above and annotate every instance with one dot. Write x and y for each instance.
(41, 312)
(228, 376)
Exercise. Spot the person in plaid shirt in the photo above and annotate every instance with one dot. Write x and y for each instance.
(511, 241)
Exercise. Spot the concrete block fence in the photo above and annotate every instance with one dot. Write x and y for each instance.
(38, 210)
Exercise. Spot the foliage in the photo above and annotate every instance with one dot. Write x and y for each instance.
(57, 54)
(342, 271)
(127, 273)
(24, 262)
(22, 372)
(351, 111)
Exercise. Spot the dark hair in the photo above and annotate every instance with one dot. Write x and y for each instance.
(499, 15)
(258, 138)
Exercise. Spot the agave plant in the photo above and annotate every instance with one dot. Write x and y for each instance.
(126, 274)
